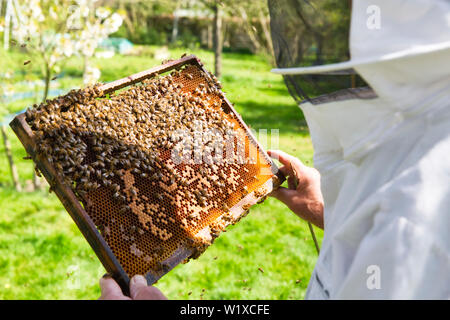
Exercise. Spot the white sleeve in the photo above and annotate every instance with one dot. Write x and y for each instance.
(398, 259)
(406, 251)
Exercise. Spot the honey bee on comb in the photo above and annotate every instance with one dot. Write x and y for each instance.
(149, 163)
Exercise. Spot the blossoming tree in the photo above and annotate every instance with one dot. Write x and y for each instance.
(54, 30)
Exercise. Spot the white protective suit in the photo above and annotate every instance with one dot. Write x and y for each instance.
(385, 161)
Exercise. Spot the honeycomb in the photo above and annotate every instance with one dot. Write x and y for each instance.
(148, 183)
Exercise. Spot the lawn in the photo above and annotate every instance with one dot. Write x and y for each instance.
(44, 256)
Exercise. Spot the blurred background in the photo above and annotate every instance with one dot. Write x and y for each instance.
(49, 47)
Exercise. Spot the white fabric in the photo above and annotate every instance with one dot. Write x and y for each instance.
(407, 28)
(385, 164)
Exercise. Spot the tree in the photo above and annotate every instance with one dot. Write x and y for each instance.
(255, 21)
(92, 25)
(215, 6)
(218, 40)
(250, 13)
(54, 30)
(12, 166)
(7, 89)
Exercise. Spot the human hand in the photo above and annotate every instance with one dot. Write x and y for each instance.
(139, 290)
(303, 195)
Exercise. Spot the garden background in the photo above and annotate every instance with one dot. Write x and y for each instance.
(268, 255)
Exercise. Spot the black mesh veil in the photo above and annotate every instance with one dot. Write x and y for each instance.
(308, 33)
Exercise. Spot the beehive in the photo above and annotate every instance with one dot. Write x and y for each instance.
(160, 168)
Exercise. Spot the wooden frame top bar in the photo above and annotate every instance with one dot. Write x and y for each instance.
(140, 76)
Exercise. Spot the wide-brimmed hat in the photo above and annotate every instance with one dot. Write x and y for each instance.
(386, 30)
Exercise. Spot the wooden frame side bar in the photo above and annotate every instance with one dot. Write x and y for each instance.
(69, 201)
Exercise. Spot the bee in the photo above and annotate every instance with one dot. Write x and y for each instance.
(193, 215)
(158, 250)
(163, 266)
(124, 209)
(38, 173)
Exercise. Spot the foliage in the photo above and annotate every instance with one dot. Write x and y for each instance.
(56, 29)
(152, 22)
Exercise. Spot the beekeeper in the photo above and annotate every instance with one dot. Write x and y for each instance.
(380, 127)
(383, 150)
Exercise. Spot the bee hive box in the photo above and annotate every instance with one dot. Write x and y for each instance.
(151, 174)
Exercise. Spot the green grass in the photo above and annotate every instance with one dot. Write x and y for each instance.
(44, 256)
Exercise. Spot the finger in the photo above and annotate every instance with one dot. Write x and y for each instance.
(291, 183)
(154, 294)
(110, 289)
(284, 158)
(139, 290)
(137, 283)
(286, 170)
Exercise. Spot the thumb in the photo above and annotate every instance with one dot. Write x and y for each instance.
(110, 290)
(137, 284)
(140, 290)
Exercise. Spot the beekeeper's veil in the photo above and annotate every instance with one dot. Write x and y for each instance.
(312, 33)
(375, 91)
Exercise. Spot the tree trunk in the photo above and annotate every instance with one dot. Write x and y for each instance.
(48, 74)
(266, 29)
(85, 66)
(247, 25)
(36, 182)
(210, 36)
(6, 31)
(12, 166)
(217, 41)
(127, 20)
(175, 23)
(175, 29)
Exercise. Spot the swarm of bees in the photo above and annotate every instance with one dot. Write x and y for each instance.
(138, 147)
